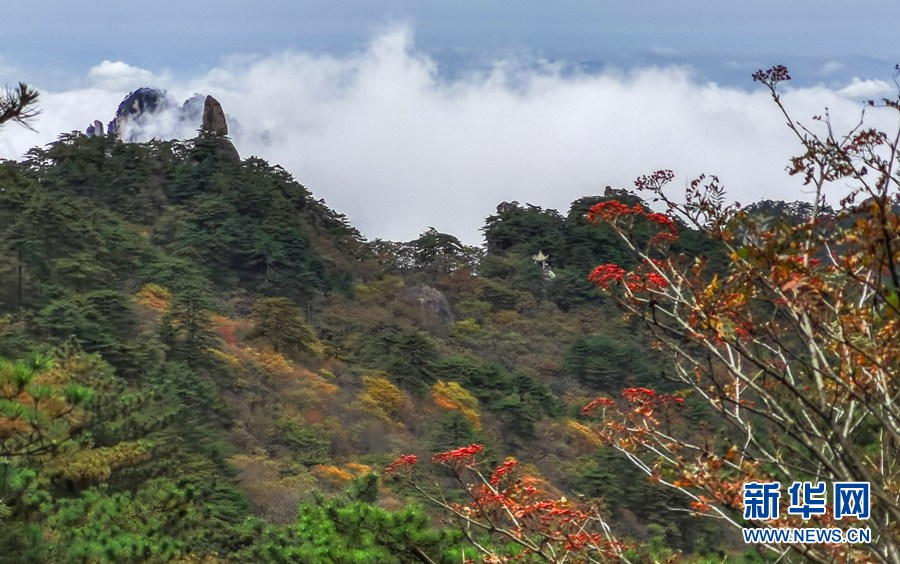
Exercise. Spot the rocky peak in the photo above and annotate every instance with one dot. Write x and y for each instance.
(148, 113)
(213, 117)
(142, 101)
(96, 129)
(135, 111)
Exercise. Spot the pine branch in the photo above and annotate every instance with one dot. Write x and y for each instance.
(19, 105)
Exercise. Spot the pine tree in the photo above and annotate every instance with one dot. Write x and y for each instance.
(280, 323)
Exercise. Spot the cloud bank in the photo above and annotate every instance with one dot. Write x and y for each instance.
(398, 145)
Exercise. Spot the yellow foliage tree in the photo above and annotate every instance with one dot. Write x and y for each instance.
(97, 464)
(583, 433)
(332, 475)
(380, 397)
(452, 396)
(379, 291)
(154, 297)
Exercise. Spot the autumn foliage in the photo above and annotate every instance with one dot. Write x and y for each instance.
(796, 345)
(211, 361)
(453, 397)
(506, 516)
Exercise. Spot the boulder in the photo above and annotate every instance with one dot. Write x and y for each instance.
(429, 304)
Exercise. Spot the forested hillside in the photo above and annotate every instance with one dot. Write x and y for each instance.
(194, 347)
(201, 362)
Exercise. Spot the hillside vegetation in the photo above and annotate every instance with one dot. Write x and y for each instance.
(195, 347)
(201, 362)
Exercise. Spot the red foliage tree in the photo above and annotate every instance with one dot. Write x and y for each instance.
(507, 517)
(796, 345)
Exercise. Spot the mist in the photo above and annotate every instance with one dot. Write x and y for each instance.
(399, 144)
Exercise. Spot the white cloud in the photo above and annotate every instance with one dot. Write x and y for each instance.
(60, 112)
(860, 89)
(831, 67)
(387, 138)
(120, 75)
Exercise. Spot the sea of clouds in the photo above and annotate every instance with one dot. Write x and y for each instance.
(388, 138)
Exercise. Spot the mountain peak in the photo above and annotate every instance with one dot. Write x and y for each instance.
(148, 113)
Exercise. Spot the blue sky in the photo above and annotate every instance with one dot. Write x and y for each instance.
(441, 110)
(55, 42)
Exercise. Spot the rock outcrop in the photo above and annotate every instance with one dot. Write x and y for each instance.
(429, 304)
(215, 126)
(136, 112)
(96, 129)
(213, 117)
(150, 113)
